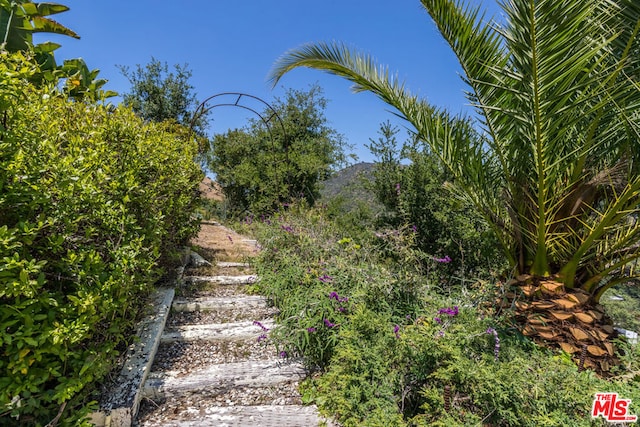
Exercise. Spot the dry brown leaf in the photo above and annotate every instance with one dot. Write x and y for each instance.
(522, 306)
(595, 314)
(564, 303)
(578, 297)
(579, 334)
(528, 331)
(529, 290)
(551, 335)
(584, 317)
(609, 347)
(551, 287)
(596, 351)
(561, 315)
(542, 305)
(600, 334)
(569, 348)
(538, 320)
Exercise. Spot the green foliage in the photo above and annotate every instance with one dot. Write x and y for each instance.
(552, 164)
(20, 19)
(260, 168)
(625, 313)
(386, 358)
(92, 200)
(413, 185)
(158, 94)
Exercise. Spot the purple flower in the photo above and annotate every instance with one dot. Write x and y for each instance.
(287, 228)
(437, 319)
(444, 260)
(414, 228)
(230, 239)
(255, 322)
(262, 337)
(396, 330)
(283, 354)
(325, 279)
(496, 347)
(311, 330)
(341, 309)
(334, 295)
(449, 311)
(398, 189)
(328, 323)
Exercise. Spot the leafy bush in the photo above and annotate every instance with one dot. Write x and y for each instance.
(92, 201)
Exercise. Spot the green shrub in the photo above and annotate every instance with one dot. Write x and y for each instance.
(92, 200)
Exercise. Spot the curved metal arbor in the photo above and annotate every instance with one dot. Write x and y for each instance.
(219, 100)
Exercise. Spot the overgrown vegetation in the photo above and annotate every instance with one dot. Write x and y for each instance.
(413, 184)
(92, 201)
(388, 344)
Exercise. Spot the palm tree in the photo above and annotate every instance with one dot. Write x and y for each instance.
(553, 162)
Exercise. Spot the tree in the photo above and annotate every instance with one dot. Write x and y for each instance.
(553, 163)
(158, 94)
(260, 167)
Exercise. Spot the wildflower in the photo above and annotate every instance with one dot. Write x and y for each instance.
(452, 312)
(325, 279)
(341, 309)
(414, 228)
(334, 295)
(496, 347)
(283, 354)
(396, 330)
(260, 325)
(311, 330)
(444, 260)
(287, 228)
(230, 239)
(398, 189)
(328, 323)
(262, 337)
(437, 320)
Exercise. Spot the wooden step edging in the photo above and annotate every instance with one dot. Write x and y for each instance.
(120, 406)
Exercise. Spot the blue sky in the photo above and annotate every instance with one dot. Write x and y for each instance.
(230, 46)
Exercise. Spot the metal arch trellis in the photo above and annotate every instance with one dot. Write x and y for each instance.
(204, 108)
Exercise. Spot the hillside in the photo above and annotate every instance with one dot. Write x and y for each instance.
(350, 184)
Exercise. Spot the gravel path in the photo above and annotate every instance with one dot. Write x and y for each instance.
(215, 366)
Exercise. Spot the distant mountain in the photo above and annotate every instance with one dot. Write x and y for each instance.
(350, 184)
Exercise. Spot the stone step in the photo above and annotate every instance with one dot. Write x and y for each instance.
(223, 280)
(262, 373)
(233, 331)
(226, 264)
(246, 416)
(218, 303)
